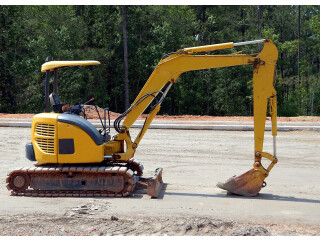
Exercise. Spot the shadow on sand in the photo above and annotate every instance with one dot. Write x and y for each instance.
(261, 196)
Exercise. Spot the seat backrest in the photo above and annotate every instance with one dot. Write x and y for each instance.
(55, 102)
(54, 99)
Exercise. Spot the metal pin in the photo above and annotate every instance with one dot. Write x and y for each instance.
(274, 147)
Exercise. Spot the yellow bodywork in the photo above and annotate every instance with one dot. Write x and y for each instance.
(44, 137)
(50, 66)
(85, 149)
(46, 133)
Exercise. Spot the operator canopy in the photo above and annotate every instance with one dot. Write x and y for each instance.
(61, 64)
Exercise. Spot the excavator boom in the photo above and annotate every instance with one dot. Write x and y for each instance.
(167, 73)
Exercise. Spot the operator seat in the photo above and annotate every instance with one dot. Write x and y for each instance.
(55, 102)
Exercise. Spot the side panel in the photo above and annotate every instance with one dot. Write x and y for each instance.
(76, 146)
(44, 137)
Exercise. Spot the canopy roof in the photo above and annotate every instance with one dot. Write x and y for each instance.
(60, 64)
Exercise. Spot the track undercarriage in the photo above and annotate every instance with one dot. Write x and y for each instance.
(117, 179)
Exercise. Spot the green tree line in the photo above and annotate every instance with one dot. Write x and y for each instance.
(32, 35)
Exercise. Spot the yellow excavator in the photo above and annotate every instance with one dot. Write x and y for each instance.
(73, 158)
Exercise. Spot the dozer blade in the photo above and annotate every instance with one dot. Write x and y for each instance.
(248, 184)
(153, 185)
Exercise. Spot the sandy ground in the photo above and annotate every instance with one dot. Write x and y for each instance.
(190, 203)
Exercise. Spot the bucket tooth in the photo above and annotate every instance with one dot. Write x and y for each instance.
(248, 184)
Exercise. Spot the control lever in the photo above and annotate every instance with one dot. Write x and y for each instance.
(92, 99)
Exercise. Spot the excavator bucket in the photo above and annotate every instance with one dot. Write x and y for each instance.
(248, 184)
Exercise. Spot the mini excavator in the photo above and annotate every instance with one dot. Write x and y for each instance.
(73, 158)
